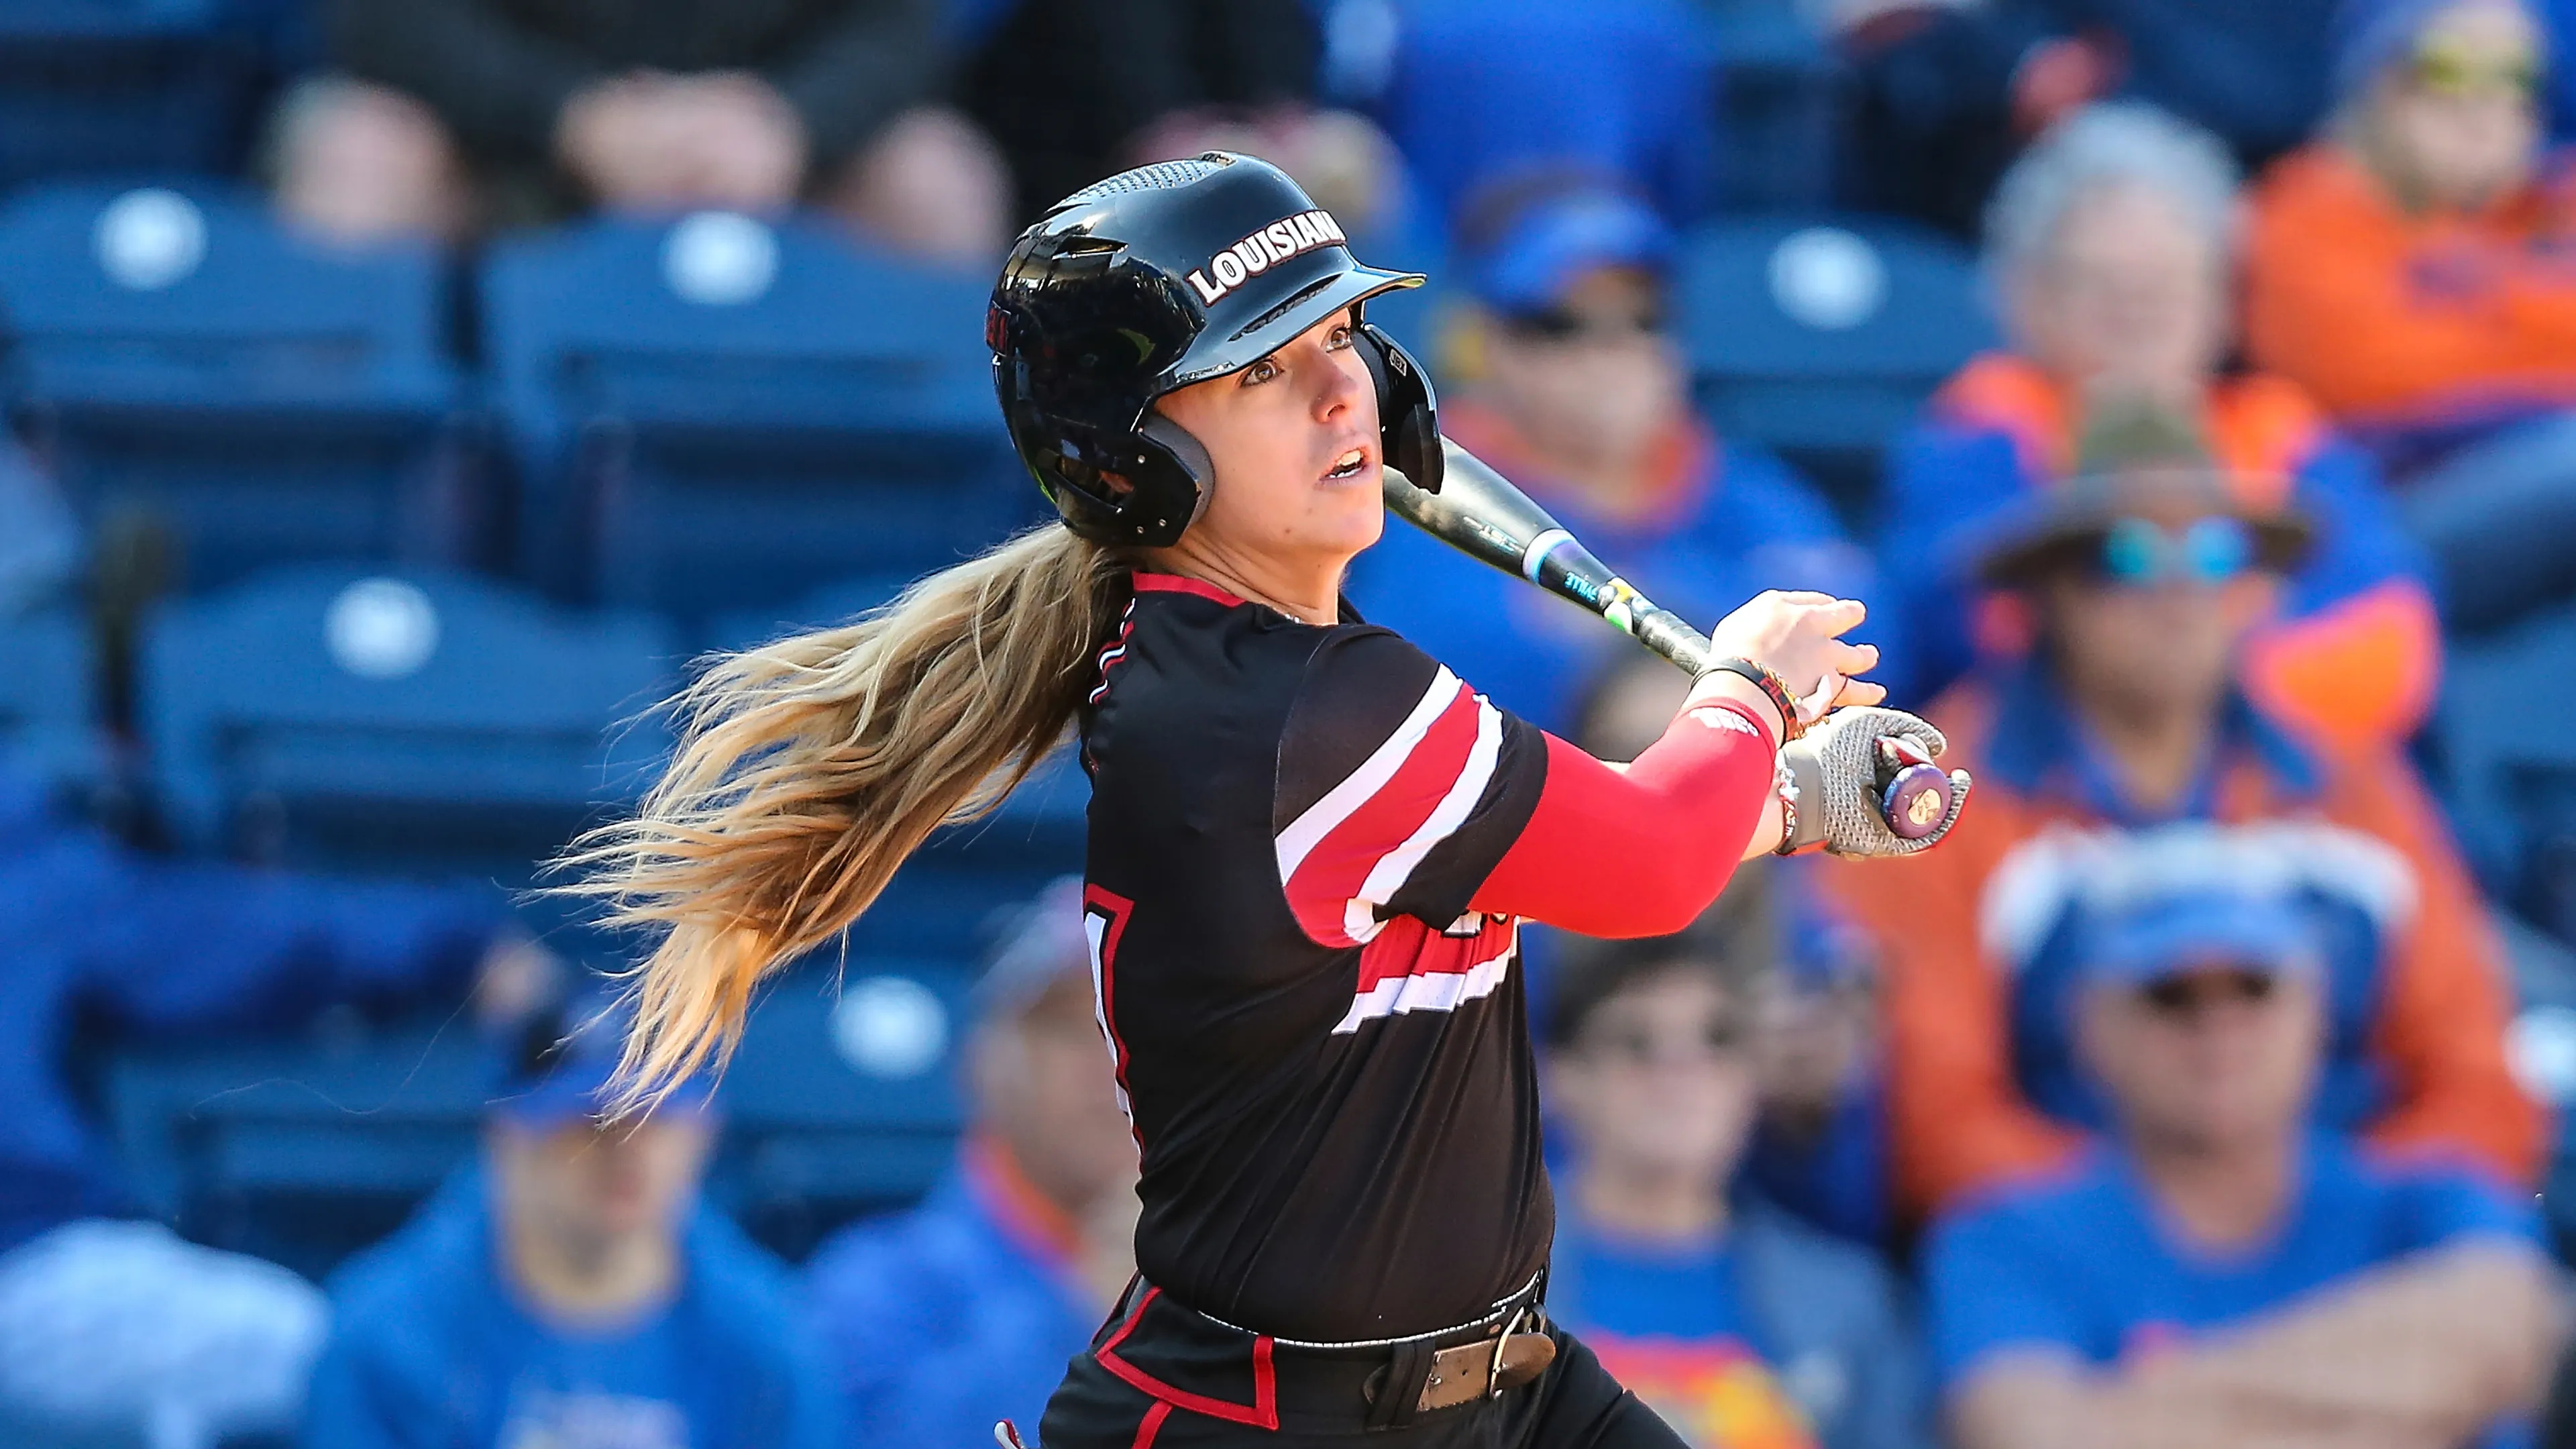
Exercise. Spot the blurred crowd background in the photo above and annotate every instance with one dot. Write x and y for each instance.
(402, 392)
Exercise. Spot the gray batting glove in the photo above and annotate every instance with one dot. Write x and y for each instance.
(1833, 770)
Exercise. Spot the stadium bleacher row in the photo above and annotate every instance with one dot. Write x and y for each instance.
(413, 593)
(435, 534)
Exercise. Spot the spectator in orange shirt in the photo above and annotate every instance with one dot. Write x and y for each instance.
(2110, 246)
(2126, 726)
(2413, 268)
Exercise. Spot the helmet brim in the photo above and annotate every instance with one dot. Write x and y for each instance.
(1286, 322)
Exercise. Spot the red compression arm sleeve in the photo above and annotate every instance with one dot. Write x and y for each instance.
(1639, 852)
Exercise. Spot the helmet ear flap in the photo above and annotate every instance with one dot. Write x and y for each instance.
(1408, 413)
(1176, 468)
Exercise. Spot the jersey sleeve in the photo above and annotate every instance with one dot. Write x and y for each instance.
(1399, 789)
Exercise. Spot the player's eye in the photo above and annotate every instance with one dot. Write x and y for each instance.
(1260, 372)
(1338, 338)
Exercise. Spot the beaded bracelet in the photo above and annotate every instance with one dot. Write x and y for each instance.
(1772, 686)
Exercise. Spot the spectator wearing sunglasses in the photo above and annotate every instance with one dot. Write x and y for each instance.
(2412, 268)
(2109, 247)
(1738, 1323)
(2144, 578)
(2215, 1271)
(1575, 389)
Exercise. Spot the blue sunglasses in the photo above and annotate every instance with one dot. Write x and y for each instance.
(2137, 553)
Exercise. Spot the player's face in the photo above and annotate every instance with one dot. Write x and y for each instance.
(581, 1182)
(2218, 1056)
(1294, 438)
(2456, 122)
(2128, 296)
(1660, 1083)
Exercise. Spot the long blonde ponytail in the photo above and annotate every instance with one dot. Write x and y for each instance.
(808, 769)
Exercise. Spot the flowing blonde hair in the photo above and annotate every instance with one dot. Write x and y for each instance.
(808, 769)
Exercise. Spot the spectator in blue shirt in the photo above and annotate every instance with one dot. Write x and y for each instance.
(1740, 1325)
(109, 1321)
(965, 1310)
(1578, 393)
(2217, 1271)
(571, 1291)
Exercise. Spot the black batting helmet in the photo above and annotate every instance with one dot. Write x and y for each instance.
(1152, 280)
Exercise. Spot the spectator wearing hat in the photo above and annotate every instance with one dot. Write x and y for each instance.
(2411, 269)
(111, 1325)
(1738, 1323)
(570, 1289)
(2109, 248)
(2145, 577)
(2215, 1270)
(445, 117)
(1579, 395)
(940, 1320)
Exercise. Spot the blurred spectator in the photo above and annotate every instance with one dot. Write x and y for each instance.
(570, 1289)
(1074, 89)
(1739, 1324)
(1945, 91)
(107, 1325)
(2411, 269)
(2109, 250)
(2144, 577)
(965, 1310)
(449, 115)
(2215, 1272)
(1578, 393)
(1487, 93)
(1819, 1147)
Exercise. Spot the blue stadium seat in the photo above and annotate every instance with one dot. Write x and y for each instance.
(2510, 770)
(423, 723)
(1821, 337)
(719, 414)
(843, 1100)
(121, 86)
(49, 698)
(179, 356)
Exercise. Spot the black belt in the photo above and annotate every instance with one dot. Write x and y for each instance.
(1199, 1363)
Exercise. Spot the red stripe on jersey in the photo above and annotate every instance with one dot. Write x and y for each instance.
(1409, 967)
(1322, 886)
(1152, 1425)
(1179, 584)
(1261, 1413)
(1113, 910)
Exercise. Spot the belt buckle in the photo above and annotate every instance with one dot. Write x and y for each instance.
(1494, 1364)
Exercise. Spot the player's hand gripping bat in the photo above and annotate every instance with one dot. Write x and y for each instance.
(1865, 777)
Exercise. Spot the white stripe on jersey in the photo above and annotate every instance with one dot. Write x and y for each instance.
(1431, 991)
(1095, 927)
(1394, 868)
(1339, 803)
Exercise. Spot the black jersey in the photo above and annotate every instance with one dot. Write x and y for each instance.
(1324, 1054)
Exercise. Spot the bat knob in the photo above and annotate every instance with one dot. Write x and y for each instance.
(1915, 800)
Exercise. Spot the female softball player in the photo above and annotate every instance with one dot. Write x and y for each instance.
(1311, 846)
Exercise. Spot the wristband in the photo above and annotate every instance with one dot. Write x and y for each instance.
(1772, 686)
